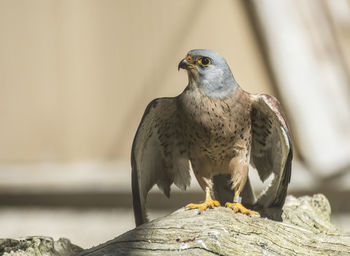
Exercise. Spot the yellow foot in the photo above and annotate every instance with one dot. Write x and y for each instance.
(237, 207)
(203, 206)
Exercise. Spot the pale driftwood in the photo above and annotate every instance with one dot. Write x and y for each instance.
(306, 230)
(37, 246)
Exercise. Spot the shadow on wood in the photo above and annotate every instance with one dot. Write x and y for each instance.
(305, 230)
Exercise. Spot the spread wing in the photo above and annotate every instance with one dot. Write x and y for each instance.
(271, 151)
(158, 155)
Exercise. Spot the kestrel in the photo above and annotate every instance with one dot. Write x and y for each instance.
(218, 129)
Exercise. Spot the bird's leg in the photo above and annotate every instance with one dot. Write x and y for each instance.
(206, 185)
(239, 170)
(237, 206)
(208, 203)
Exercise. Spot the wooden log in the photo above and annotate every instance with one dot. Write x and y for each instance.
(305, 230)
(37, 246)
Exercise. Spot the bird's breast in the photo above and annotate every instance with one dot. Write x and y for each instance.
(216, 128)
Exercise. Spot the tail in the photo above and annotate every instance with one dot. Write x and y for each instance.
(137, 198)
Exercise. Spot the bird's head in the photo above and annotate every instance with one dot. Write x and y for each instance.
(209, 71)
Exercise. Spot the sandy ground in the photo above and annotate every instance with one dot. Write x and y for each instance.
(85, 228)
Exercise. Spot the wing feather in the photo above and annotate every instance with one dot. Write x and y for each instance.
(272, 150)
(157, 155)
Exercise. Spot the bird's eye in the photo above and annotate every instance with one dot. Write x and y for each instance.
(204, 61)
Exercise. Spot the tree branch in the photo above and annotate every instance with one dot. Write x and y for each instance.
(305, 230)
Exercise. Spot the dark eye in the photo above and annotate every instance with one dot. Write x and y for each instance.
(204, 61)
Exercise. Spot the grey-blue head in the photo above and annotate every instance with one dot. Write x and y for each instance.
(209, 71)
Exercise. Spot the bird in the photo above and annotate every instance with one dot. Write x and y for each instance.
(217, 130)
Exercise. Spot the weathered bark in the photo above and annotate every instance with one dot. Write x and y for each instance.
(305, 230)
(38, 245)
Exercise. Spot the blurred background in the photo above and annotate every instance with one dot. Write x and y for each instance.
(76, 76)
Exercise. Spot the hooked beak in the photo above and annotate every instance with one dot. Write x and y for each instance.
(183, 64)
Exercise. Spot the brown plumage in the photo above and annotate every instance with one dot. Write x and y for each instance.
(218, 128)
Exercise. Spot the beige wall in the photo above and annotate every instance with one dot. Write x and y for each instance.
(76, 76)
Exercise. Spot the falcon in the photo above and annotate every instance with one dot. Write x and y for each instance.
(218, 130)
